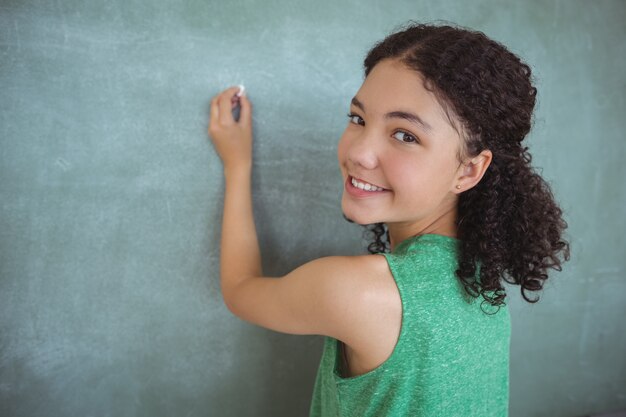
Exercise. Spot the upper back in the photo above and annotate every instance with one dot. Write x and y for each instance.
(450, 358)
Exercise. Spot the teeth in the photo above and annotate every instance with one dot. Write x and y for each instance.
(365, 186)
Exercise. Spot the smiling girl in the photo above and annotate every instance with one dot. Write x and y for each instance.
(433, 164)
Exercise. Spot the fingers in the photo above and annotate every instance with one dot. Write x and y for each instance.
(215, 111)
(245, 115)
(223, 103)
(225, 107)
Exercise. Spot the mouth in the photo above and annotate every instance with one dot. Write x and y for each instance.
(360, 188)
(364, 185)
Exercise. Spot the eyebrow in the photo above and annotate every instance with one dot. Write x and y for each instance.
(411, 117)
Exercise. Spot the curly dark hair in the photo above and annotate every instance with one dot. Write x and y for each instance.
(509, 225)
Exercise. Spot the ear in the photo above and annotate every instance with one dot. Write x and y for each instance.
(472, 171)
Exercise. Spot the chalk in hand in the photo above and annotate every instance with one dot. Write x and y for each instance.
(235, 99)
(235, 102)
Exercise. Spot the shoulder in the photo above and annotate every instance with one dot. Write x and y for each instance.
(337, 296)
(354, 277)
(367, 266)
(370, 319)
(360, 295)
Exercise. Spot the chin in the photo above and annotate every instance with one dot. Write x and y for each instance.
(357, 221)
(357, 216)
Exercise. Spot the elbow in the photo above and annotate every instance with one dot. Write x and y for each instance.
(230, 305)
(230, 300)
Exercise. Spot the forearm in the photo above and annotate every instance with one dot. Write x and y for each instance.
(240, 256)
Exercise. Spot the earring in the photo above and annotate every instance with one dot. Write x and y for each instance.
(458, 187)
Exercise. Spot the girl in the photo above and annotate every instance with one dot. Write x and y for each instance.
(433, 164)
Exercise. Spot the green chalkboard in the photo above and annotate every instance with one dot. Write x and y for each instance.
(111, 197)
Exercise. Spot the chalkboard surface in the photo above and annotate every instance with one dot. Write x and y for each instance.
(111, 194)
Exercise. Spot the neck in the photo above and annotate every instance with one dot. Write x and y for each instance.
(444, 225)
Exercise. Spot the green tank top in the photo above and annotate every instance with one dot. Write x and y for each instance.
(451, 359)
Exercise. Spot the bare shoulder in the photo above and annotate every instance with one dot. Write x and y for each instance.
(350, 298)
(358, 267)
(370, 327)
(371, 300)
(355, 277)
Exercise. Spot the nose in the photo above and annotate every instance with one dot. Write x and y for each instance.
(361, 151)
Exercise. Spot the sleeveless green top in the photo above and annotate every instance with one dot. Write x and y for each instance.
(451, 359)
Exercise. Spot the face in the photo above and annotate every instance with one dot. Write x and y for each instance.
(400, 148)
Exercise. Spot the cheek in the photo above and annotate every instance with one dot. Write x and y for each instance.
(415, 178)
(340, 151)
(401, 172)
(342, 147)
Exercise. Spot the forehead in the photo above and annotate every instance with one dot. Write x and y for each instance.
(391, 86)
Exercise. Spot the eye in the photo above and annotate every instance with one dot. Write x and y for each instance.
(356, 119)
(404, 137)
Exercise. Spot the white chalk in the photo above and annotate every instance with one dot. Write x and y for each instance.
(241, 91)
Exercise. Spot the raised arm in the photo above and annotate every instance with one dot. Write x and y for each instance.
(240, 257)
(333, 296)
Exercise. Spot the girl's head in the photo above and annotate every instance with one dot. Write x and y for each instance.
(401, 140)
(439, 124)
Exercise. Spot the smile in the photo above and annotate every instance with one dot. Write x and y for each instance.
(360, 189)
(365, 185)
